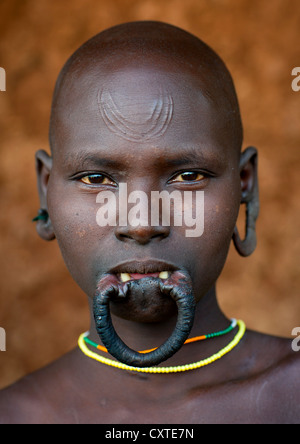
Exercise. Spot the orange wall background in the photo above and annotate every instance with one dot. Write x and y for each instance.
(41, 308)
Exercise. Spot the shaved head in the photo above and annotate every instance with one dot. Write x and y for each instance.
(152, 46)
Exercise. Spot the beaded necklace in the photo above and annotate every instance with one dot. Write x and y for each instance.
(181, 368)
(188, 341)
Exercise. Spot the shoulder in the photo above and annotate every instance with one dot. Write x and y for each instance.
(27, 401)
(284, 386)
(18, 402)
(275, 382)
(39, 397)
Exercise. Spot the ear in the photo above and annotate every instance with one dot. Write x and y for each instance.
(43, 165)
(250, 197)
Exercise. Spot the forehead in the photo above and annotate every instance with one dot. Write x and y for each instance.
(140, 106)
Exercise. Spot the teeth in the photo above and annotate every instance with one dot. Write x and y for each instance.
(125, 277)
(163, 275)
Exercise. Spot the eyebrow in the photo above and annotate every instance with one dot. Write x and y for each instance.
(186, 156)
(86, 160)
(190, 155)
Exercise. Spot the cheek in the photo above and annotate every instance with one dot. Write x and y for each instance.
(79, 237)
(221, 211)
(210, 215)
(220, 219)
(211, 249)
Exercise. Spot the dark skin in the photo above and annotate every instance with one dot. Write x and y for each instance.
(197, 149)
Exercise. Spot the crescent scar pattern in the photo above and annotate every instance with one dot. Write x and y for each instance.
(154, 124)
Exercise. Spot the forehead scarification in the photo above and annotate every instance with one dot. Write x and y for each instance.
(150, 124)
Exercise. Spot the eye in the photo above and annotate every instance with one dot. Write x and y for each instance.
(97, 179)
(188, 176)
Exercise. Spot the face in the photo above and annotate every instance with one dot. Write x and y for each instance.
(153, 131)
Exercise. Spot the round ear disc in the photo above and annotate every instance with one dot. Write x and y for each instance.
(179, 288)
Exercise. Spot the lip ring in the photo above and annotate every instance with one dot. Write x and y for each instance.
(185, 301)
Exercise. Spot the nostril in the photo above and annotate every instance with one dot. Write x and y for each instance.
(121, 236)
(161, 235)
(141, 234)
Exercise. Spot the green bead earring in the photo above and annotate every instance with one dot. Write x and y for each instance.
(42, 215)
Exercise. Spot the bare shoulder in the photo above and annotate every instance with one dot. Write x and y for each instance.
(261, 385)
(275, 384)
(279, 356)
(282, 385)
(285, 380)
(36, 398)
(18, 401)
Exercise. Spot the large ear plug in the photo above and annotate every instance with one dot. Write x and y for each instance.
(249, 197)
(178, 287)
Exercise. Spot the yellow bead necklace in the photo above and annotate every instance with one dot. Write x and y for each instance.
(179, 368)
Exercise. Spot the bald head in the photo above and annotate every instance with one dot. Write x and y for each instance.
(157, 47)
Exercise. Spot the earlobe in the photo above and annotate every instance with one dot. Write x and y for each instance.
(43, 165)
(250, 197)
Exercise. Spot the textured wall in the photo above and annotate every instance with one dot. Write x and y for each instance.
(41, 309)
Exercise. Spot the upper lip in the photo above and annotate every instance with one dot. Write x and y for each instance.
(143, 267)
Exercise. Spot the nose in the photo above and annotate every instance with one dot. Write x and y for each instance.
(141, 234)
